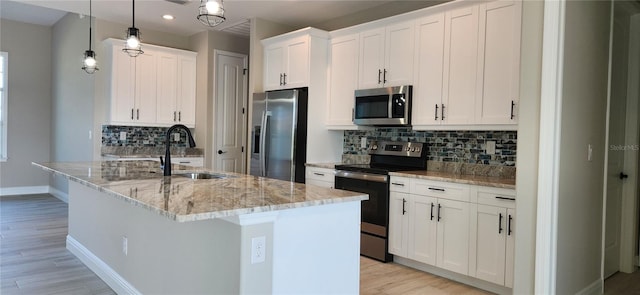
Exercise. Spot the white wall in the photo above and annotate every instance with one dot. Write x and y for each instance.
(29, 102)
(528, 138)
(583, 110)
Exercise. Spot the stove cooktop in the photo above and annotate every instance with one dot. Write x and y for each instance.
(376, 169)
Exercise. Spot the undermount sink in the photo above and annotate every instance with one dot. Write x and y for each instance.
(203, 175)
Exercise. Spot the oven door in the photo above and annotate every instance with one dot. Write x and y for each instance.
(375, 211)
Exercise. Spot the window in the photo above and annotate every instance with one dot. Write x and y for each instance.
(3, 106)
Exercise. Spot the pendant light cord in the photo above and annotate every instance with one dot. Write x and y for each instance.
(90, 16)
(133, 9)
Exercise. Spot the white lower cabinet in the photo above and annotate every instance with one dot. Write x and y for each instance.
(427, 227)
(460, 228)
(323, 177)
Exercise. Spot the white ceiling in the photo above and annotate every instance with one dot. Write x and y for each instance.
(296, 13)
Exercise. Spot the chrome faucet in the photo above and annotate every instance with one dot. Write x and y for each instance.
(167, 152)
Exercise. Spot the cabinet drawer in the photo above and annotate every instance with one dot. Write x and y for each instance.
(499, 197)
(399, 184)
(191, 161)
(321, 174)
(445, 190)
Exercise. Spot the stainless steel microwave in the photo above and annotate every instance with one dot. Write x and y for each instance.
(390, 106)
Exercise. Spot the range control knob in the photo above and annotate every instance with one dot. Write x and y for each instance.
(417, 150)
(413, 149)
(374, 147)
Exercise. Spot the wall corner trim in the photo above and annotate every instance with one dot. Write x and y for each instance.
(595, 288)
(62, 196)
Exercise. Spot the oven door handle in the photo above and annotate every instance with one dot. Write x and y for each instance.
(362, 176)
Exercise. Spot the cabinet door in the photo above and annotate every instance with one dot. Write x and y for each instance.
(297, 63)
(453, 236)
(167, 89)
(429, 57)
(371, 62)
(186, 101)
(343, 80)
(273, 66)
(460, 64)
(146, 87)
(423, 225)
(499, 50)
(122, 87)
(399, 211)
(491, 231)
(398, 65)
(511, 247)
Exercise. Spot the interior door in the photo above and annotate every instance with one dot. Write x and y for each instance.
(230, 118)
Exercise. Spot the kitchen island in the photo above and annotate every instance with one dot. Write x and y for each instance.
(143, 233)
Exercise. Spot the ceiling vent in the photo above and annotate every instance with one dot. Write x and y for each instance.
(242, 28)
(181, 2)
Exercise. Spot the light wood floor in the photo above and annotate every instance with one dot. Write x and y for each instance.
(34, 259)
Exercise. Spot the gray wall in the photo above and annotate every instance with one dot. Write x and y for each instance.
(583, 111)
(528, 140)
(29, 102)
(72, 102)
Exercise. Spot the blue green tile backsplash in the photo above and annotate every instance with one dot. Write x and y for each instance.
(138, 136)
(444, 146)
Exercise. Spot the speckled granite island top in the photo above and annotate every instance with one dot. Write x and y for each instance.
(508, 183)
(182, 199)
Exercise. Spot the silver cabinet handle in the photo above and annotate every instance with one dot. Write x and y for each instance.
(131, 114)
(180, 116)
(174, 116)
(284, 79)
(138, 114)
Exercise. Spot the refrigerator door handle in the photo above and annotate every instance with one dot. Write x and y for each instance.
(263, 141)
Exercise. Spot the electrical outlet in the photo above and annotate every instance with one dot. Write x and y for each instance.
(125, 245)
(258, 249)
(363, 142)
(491, 147)
(176, 137)
(123, 135)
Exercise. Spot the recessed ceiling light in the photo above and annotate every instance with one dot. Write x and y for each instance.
(168, 17)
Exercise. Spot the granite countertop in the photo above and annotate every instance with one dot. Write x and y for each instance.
(500, 182)
(182, 199)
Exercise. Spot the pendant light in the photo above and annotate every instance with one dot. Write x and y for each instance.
(132, 44)
(89, 63)
(211, 12)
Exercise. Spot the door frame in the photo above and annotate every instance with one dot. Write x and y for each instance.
(629, 213)
(216, 54)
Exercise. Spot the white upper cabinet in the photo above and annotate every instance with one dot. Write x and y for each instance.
(386, 56)
(343, 80)
(176, 89)
(156, 88)
(429, 60)
(499, 49)
(286, 62)
(460, 62)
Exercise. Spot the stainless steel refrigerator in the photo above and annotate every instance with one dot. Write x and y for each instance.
(279, 134)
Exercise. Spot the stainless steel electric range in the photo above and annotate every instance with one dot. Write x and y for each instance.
(373, 179)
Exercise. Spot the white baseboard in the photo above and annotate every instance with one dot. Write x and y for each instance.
(101, 269)
(62, 196)
(595, 288)
(24, 190)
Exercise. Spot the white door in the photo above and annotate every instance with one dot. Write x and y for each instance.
(343, 80)
(186, 102)
(429, 55)
(453, 236)
(460, 62)
(491, 233)
(371, 59)
(422, 229)
(122, 86)
(398, 223)
(146, 87)
(167, 89)
(297, 63)
(229, 109)
(273, 66)
(398, 65)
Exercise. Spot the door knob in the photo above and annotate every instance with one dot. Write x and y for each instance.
(623, 176)
(220, 152)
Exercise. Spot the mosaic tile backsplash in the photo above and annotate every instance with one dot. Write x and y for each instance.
(444, 146)
(139, 136)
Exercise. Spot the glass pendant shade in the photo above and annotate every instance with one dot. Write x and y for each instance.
(211, 12)
(89, 64)
(132, 45)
